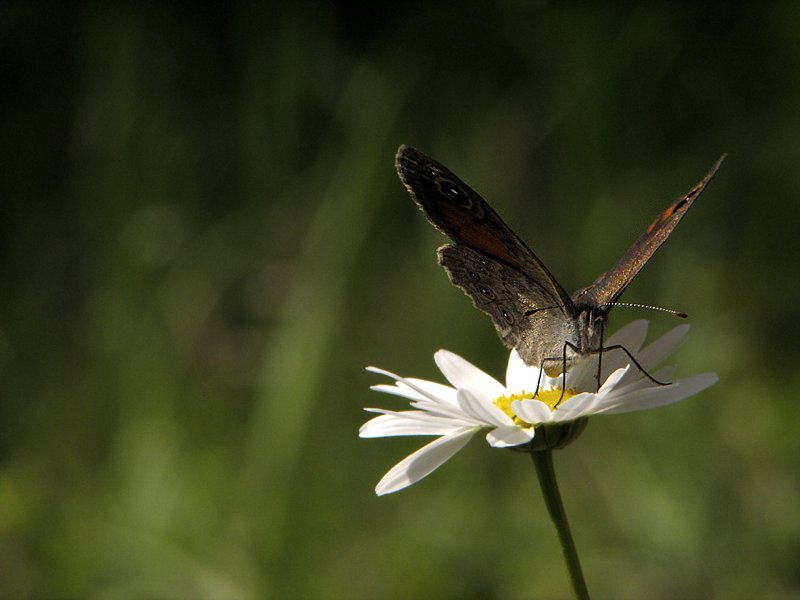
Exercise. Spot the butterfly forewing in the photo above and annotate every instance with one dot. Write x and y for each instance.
(609, 286)
(460, 212)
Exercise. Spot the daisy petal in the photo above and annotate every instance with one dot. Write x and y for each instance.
(398, 390)
(482, 410)
(415, 389)
(631, 336)
(383, 372)
(509, 435)
(442, 409)
(656, 396)
(532, 411)
(520, 377)
(582, 373)
(463, 374)
(613, 379)
(654, 353)
(392, 423)
(576, 407)
(433, 390)
(423, 462)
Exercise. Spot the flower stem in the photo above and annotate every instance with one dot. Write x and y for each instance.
(543, 461)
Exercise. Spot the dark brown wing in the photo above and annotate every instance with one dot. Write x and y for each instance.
(609, 286)
(511, 299)
(459, 212)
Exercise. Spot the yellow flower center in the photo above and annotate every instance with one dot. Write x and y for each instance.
(551, 398)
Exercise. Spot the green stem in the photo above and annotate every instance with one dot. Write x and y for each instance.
(543, 461)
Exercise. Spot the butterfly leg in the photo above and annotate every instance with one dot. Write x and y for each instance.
(575, 349)
(563, 360)
(635, 362)
(539, 379)
(600, 353)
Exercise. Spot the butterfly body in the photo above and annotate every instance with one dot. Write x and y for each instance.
(506, 280)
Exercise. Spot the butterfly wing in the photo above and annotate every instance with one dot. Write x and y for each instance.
(504, 278)
(609, 286)
(460, 213)
(511, 299)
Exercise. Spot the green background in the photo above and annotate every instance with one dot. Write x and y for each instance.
(204, 243)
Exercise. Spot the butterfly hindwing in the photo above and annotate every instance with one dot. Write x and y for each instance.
(526, 315)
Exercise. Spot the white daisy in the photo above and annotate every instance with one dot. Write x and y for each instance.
(477, 401)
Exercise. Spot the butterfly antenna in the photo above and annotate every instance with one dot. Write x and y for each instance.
(677, 313)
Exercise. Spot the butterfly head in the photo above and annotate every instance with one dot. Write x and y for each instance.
(590, 325)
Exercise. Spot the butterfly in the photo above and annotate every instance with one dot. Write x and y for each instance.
(532, 312)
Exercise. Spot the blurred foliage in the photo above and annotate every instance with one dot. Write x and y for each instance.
(204, 243)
